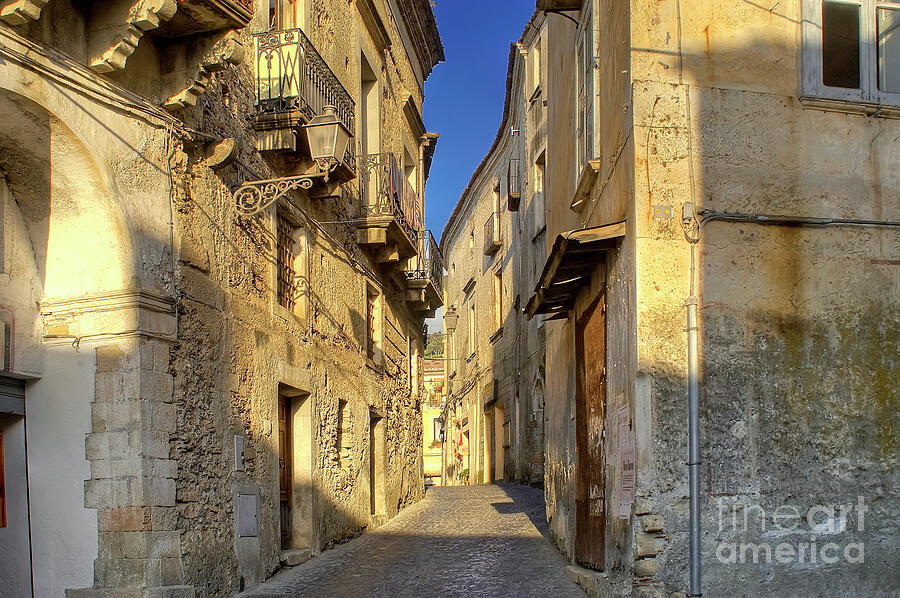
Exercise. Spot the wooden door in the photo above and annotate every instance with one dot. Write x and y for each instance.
(372, 472)
(590, 426)
(285, 468)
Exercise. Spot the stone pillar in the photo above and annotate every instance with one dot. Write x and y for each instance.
(132, 483)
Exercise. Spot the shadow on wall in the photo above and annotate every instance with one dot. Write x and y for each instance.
(799, 331)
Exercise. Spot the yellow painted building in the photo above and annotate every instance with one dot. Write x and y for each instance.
(432, 420)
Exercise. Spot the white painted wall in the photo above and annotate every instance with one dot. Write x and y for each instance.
(58, 411)
(15, 558)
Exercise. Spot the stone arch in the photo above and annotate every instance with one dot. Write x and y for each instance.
(80, 242)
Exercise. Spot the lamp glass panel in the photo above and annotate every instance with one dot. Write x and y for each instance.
(321, 140)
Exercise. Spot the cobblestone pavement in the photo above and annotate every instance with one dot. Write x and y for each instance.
(473, 541)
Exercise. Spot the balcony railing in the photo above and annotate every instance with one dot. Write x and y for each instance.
(291, 76)
(386, 192)
(429, 263)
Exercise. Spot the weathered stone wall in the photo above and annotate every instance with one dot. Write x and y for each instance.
(235, 337)
(798, 325)
(141, 222)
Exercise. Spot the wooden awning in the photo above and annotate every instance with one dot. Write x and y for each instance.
(569, 266)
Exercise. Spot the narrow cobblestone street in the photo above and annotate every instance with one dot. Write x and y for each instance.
(483, 540)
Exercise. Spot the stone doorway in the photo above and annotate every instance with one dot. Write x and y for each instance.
(376, 466)
(295, 469)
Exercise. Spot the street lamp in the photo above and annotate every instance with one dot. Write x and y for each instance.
(328, 139)
(450, 319)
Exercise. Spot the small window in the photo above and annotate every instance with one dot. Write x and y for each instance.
(851, 50)
(498, 299)
(438, 431)
(472, 326)
(539, 168)
(533, 72)
(287, 289)
(889, 49)
(285, 14)
(513, 185)
(584, 89)
(840, 45)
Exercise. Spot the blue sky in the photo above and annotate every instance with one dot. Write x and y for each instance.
(464, 95)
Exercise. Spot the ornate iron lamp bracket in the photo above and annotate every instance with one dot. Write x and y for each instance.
(253, 197)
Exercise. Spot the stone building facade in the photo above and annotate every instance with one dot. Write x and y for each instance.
(492, 245)
(744, 157)
(195, 387)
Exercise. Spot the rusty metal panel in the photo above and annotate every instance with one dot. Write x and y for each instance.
(590, 430)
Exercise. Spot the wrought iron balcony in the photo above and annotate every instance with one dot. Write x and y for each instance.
(425, 279)
(293, 85)
(391, 210)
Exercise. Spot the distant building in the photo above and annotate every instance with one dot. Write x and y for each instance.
(493, 246)
(432, 421)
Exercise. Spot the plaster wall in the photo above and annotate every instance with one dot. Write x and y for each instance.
(58, 418)
(797, 324)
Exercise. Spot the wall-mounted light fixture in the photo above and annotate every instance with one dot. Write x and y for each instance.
(450, 320)
(328, 139)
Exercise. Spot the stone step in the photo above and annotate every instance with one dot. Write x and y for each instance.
(295, 556)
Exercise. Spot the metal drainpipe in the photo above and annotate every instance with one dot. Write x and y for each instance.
(692, 233)
(694, 440)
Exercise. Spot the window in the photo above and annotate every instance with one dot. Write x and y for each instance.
(533, 71)
(584, 86)
(2, 486)
(286, 288)
(492, 239)
(851, 50)
(438, 431)
(410, 165)
(369, 117)
(286, 14)
(539, 167)
(372, 323)
(498, 299)
(472, 325)
(513, 185)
